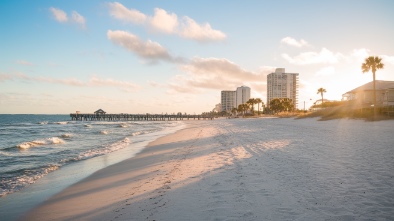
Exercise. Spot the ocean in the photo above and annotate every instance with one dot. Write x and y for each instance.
(32, 146)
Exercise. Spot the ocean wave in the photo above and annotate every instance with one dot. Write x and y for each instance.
(52, 140)
(43, 122)
(104, 132)
(101, 151)
(13, 184)
(144, 132)
(123, 125)
(7, 154)
(61, 122)
(87, 125)
(67, 135)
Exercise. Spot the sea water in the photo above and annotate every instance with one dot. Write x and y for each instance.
(33, 146)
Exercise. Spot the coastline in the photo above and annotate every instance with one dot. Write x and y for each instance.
(242, 169)
(12, 206)
(103, 194)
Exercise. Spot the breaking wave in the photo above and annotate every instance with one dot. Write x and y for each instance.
(52, 140)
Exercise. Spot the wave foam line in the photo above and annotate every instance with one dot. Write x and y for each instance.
(34, 143)
(97, 152)
(14, 184)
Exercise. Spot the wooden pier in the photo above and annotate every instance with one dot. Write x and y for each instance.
(137, 117)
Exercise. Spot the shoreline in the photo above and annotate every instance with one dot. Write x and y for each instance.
(13, 205)
(100, 186)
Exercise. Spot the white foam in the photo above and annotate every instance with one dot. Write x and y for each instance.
(104, 132)
(87, 125)
(144, 132)
(43, 122)
(16, 183)
(136, 133)
(55, 140)
(62, 122)
(67, 135)
(52, 140)
(97, 152)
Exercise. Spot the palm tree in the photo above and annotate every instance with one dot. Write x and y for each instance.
(234, 110)
(242, 108)
(251, 102)
(287, 104)
(321, 91)
(258, 101)
(373, 63)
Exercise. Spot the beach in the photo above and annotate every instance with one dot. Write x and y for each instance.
(243, 169)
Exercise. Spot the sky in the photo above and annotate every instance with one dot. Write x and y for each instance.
(166, 56)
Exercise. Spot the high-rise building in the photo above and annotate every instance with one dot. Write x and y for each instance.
(282, 85)
(243, 95)
(228, 100)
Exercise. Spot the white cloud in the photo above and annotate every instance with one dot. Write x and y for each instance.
(192, 30)
(120, 12)
(23, 62)
(156, 84)
(69, 81)
(5, 77)
(145, 49)
(127, 86)
(166, 22)
(325, 56)
(79, 19)
(293, 42)
(215, 74)
(359, 55)
(387, 59)
(94, 81)
(59, 14)
(326, 71)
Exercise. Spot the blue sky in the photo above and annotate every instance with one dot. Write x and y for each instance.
(170, 56)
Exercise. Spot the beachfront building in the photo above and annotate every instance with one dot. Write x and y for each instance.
(243, 95)
(228, 100)
(282, 85)
(363, 95)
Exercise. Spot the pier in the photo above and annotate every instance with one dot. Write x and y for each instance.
(137, 117)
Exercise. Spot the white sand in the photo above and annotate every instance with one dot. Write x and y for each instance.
(244, 169)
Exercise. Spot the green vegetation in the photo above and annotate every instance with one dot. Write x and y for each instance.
(258, 101)
(278, 105)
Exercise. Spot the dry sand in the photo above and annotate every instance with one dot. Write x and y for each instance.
(240, 169)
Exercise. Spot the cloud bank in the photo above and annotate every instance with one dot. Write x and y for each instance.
(166, 22)
(94, 81)
(292, 42)
(325, 56)
(215, 74)
(149, 50)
